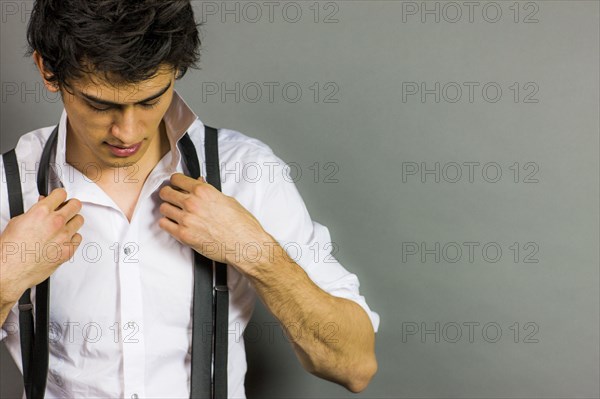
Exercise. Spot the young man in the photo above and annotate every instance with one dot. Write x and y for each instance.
(115, 232)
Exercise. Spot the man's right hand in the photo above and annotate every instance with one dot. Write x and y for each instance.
(34, 244)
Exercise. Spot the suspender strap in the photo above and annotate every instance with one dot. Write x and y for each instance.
(39, 371)
(202, 312)
(13, 183)
(15, 203)
(208, 344)
(221, 294)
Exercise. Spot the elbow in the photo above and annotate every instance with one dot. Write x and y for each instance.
(362, 376)
(354, 377)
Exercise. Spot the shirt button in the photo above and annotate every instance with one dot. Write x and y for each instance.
(127, 251)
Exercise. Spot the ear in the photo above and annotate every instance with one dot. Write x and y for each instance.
(39, 62)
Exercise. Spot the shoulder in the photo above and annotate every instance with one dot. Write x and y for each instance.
(252, 173)
(28, 150)
(235, 144)
(239, 152)
(30, 145)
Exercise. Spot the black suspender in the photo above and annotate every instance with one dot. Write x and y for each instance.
(206, 382)
(205, 385)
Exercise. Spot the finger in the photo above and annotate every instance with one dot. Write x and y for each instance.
(174, 197)
(74, 225)
(77, 238)
(70, 208)
(170, 227)
(172, 212)
(76, 241)
(185, 182)
(55, 199)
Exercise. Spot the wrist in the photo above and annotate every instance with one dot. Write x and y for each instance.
(260, 255)
(10, 291)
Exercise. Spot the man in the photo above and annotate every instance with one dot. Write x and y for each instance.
(116, 229)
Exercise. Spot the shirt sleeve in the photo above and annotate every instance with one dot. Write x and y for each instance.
(284, 215)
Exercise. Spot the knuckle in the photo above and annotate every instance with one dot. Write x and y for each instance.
(58, 221)
(187, 220)
(163, 191)
(186, 236)
(190, 204)
(163, 208)
(198, 190)
(40, 210)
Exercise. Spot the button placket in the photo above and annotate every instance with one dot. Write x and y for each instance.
(132, 311)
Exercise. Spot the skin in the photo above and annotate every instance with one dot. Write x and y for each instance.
(339, 349)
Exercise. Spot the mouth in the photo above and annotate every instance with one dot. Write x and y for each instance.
(124, 151)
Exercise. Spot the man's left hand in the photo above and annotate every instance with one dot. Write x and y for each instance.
(212, 223)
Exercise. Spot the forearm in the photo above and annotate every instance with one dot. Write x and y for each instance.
(332, 337)
(7, 301)
(8, 290)
(192, 206)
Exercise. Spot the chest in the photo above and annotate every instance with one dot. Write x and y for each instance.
(126, 198)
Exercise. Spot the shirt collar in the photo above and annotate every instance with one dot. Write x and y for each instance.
(178, 119)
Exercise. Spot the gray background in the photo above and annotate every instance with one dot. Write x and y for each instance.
(366, 51)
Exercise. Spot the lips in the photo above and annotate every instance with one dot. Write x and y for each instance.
(122, 147)
(124, 151)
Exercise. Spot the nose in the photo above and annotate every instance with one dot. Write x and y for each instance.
(125, 126)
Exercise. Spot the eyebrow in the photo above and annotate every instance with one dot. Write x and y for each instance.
(104, 102)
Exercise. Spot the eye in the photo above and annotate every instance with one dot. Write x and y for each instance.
(150, 106)
(98, 109)
(101, 109)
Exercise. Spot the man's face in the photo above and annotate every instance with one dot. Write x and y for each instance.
(116, 124)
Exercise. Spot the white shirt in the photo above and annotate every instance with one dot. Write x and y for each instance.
(120, 310)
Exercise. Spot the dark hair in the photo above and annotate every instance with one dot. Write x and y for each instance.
(126, 40)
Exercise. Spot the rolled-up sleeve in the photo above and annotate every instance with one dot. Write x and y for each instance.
(283, 214)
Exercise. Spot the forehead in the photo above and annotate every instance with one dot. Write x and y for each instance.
(113, 89)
